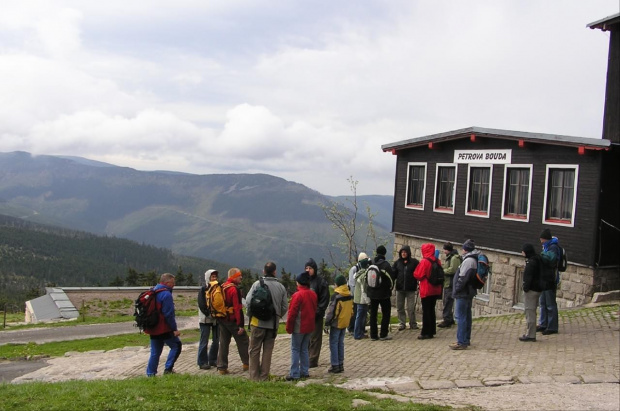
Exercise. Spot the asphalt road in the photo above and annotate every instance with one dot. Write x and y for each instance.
(79, 332)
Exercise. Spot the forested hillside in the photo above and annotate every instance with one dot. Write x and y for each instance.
(33, 256)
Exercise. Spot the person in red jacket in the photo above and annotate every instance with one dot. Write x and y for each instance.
(232, 324)
(300, 323)
(429, 293)
(166, 331)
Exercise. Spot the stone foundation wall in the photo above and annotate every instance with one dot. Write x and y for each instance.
(576, 287)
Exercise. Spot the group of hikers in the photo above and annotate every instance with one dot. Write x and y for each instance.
(312, 312)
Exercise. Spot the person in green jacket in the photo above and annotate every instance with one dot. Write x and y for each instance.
(452, 262)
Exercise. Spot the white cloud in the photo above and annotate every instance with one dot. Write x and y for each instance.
(308, 91)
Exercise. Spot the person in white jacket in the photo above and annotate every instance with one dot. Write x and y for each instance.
(208, 326)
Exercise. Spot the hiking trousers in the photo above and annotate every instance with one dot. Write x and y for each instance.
(265, 339)
(227, 330)
(316, 341)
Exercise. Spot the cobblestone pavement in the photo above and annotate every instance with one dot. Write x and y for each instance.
(585, 355)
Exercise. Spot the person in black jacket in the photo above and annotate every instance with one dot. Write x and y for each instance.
(381, 297)
(406, 288)
(320, 287)
(532, 288)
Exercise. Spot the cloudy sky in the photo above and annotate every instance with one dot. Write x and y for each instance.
(304, 90)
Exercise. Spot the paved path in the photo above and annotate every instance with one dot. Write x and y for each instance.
(585, 355)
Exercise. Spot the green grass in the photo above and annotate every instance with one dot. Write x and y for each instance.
(187, 392)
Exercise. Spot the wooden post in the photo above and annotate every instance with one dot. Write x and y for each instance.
(83, 312)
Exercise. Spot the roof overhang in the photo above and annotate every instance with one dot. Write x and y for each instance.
(608, 23)
(520, 137)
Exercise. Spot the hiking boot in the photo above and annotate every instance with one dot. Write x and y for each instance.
(386, 338)
(548, 332)
(401, 327)
(223, 371)
(540, 329)
(414, 326)
(246, 367)
(334, 369)
(444, 325)
(341, 368)
(289, 378)
(204, 367)
(525, 338)
(169, 371)
(424, 337)
(457, 346)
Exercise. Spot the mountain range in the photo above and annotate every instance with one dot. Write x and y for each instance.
(238, 219)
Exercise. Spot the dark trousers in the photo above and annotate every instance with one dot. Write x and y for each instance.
(351, 327)
(448, 306)
(429, 319)
(386, 308)
(316, 341)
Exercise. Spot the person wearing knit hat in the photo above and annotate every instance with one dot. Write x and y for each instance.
(469, 245)
(406, 288)
(207, 358)
(548, 320)
(381, 297)
(531, 290)
(360, 309)
(320, 287)
(463, 294)
(300, 324)
(232, 325)
(337, 318)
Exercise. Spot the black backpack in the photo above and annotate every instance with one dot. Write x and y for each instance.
(261, 304)
(437, 275)
(145, 312)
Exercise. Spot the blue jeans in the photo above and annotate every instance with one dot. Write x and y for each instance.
(360, 321)
(548, 310)
(462, 312)
(300, 357)
(206, 356)
(336, 345)
(157, 346)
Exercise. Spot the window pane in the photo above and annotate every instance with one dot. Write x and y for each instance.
(517, 192)
(416, 185)
(479, 189)
(561, 192)
(445, 188)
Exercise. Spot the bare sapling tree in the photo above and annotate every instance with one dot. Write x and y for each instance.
(343, 217)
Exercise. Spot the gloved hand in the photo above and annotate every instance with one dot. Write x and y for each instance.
(326, 330)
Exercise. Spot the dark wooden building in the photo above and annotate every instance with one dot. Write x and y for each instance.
(502, 188)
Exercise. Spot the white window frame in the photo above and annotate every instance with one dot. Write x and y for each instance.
(529, 194)
(561, 223)
(456, 172)
(411, 206)
(478, 213)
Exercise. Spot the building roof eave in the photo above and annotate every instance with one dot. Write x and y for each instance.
(540, 138)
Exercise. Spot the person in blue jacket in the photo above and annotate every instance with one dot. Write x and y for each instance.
(166, 331)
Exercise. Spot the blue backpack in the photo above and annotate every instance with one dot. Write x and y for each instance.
(482, 272)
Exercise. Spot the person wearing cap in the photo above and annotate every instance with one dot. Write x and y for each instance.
(263, 333)
(548, 321)
(300, 324)
(362, 262)
(380, 297)
(232, 324)
(207, 358)
(337, 318)
(320, 287)
(532, 288)
(463, 294)
(406, 288)
(429, 293)
(451, 264)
